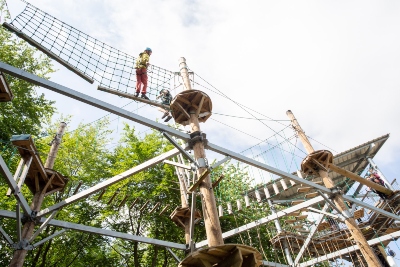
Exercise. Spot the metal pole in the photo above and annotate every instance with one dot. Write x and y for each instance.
(279, 229)
(367, 252)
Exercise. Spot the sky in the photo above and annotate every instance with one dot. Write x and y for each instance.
(335, 64)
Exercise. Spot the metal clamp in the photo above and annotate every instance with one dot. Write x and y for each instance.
(196, 137)
(202, 162)
(335, 191)
(22, 245)
(32, 218)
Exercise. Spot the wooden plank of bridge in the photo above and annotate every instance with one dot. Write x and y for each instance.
(131, 96)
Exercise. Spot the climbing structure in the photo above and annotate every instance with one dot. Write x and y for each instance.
(300, 221)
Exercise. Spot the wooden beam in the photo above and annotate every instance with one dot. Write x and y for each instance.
(361, 180)
(201, 178)
(184, 112)
(200, 105)
(131, 96)
(5, 91)
(216, 183)
(164, 209)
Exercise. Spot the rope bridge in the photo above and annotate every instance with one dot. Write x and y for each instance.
(86, 56)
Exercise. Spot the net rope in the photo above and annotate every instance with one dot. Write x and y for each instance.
(110, 67)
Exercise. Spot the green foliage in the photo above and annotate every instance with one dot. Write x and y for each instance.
(28, 111)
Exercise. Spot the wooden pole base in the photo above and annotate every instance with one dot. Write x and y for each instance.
(228, 255)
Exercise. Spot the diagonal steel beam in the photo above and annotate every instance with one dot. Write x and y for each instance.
(155, 125)
(313, 230)
(48, 238)
(101, 231)
(373, 208)
(89, 100)
(347, 250)
(265, 220)
(6, 236)
(110, 181)
(5, 172)
(144, 121)
(44, 224)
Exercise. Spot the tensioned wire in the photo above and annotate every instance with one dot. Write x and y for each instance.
(248, 108)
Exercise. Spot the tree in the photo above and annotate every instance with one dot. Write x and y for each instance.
(28, 111)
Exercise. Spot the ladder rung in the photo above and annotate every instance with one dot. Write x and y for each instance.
(303, 189)
(295, 202)
(311, 195)
(301, 217)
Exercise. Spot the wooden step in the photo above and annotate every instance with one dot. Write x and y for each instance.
(295, 202)
(303, 189)
(323, 226)
(301, 217)
(318, 182)
(290, 221)
(297, 226)
(312, 195)
(359, 213)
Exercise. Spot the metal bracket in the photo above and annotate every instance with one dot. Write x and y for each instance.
(183, 151)
(32, 218)
(22, 245)
(335, 191)
(196, 137)
(346, 214)
(202, 163)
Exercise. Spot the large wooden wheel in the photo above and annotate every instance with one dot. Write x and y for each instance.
(228, 255)
(315, 161)
(190, 101)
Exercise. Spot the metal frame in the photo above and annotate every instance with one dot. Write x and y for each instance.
(109, 182)
(165, 129)
(94, 230)
(12, 184)
(313, 230)
(6, 236)
(347, 250)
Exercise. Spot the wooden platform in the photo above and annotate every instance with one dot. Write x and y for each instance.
(329, 239)
(228, 255)
(38, 176)
(133, 97)
(188, 100)
(5, 91)
(315, 161)
(179, 215)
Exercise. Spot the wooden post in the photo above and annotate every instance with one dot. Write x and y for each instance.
(184, 201)
(369, 255)
(27, 230)
(210, 213)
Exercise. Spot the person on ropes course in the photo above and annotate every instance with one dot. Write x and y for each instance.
(142, 63)
(374, 177)
(166, 98)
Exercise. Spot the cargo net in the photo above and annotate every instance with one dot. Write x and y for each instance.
(91, 59)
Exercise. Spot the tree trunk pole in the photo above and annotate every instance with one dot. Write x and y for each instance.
(27, 230)
(210, 213)
(369, 255)
(51, 157)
